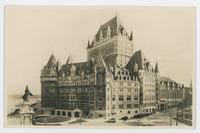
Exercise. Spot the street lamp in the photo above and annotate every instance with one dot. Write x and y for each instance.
(177, 117)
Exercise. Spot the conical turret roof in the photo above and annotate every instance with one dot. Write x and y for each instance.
(156, 68)
(52, 61)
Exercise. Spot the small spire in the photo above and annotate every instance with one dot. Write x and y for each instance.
(156, 68)
(131, 36)
(69, 60)
(88, 46)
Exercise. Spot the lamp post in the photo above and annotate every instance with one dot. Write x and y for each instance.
(170, 119)
(80, 119)
(177, 117)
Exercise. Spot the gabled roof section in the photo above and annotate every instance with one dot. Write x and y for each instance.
(138, 58)
(82, 67)
(142, 62)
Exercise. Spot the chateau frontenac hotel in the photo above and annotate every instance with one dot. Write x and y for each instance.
(115, 81)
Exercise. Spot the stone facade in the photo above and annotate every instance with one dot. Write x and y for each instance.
(113, 82)
(171, 93)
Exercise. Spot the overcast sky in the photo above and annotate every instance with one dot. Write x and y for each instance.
(32, 34)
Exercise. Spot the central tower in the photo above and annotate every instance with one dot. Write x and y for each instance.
(113, 43)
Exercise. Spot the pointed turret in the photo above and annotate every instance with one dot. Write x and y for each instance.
(58, 65)
(69, 60)
(52, 61)
(156, 68)
(88, 46)
(131, 36)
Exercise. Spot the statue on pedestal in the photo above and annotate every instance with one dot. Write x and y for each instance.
(26, 111)
(26, 94)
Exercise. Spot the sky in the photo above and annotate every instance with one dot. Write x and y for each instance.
(33, 33)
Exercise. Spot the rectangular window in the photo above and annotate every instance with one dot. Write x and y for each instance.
(136, 97)
(128, 97)
(121, 98)
(128, 106)
(113, 106)
(136, 105)
(72, 97)
(100, 98)
(121, 106)
(113, 98)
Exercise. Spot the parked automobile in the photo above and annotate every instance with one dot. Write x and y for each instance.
(112, 120)
(124, 118)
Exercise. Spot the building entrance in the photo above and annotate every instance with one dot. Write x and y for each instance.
(77, 114)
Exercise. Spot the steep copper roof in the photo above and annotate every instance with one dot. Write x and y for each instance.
(156, 68)
(82, 67)
(113, 24)
(50, 69)
(138, 58)
(142, 62)
(52, 61)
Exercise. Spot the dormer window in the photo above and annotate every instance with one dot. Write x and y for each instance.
(72, 70)
(108, 32)
(101, 36)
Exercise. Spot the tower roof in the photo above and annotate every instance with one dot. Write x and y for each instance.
(112, 24)
(52, 61)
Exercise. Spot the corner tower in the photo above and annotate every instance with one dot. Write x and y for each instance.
(113, 43)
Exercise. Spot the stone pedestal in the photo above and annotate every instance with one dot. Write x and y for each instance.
(26, 112)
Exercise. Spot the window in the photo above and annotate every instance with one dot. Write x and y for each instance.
(100, 98)
(128, 106)
(108, 98)
(73, 97)
(71, 105)
(136, 97)
(121, 98)
(52, 112)
(100, 90)
(129, 112)
(91, 94)
(58, 112)
(121, 106)
(100, 108)
(136, 105)
(113, 98)
(113, 106)
(63, 113)
(129, 97)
